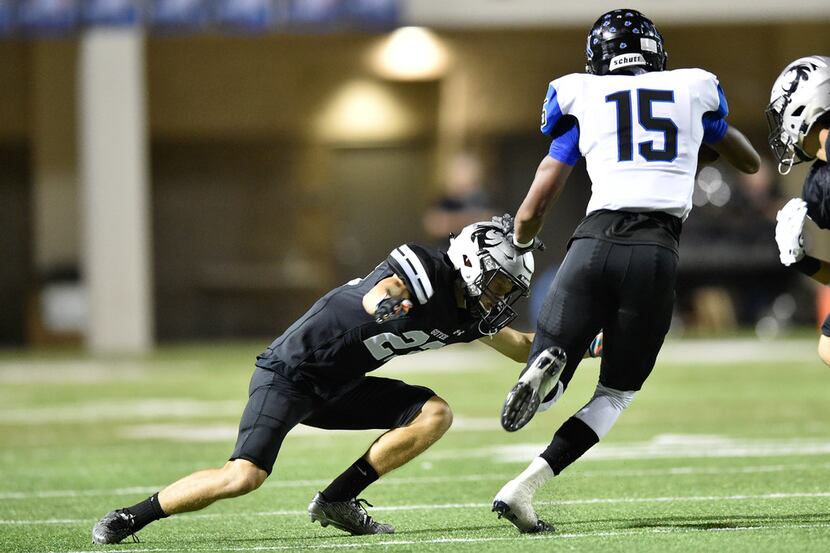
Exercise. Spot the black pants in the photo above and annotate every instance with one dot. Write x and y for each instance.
(625, 290)
(277, 404)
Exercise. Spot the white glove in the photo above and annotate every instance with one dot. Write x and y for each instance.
(788, 231)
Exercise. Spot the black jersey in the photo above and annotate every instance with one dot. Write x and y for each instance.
(336, 342)
(816, 193)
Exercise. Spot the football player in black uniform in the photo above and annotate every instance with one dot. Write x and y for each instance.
(640, 127)
(315, 373)
(799, 117)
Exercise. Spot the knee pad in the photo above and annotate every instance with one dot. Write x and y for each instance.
(604, 409)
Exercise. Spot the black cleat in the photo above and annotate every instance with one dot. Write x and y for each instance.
(114, 527)
(349, 516)
(536, 382)
(503, 510)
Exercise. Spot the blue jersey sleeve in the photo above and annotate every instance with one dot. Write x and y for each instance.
(714, 122)
(565, 145)
(551, 112)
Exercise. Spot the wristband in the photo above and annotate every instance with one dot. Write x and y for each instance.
(808, 265)
(522, 245)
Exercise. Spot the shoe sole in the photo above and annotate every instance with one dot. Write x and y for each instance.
(523, 400)
(324, 521)
(503, 510)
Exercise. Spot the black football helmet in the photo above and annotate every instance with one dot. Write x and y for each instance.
(624, 40)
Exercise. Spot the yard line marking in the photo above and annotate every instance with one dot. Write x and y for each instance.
(142, 409)
(663, 446)
(407, 480)
(192, 432)
(516, 539)
(421, 507)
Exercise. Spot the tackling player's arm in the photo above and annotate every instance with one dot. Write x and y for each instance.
(516, 345)
(738, 151)
(390, 288)
(510, 343)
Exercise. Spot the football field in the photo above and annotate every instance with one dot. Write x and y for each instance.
(727, 448)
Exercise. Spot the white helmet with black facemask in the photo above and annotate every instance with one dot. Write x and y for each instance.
(495, 274)
(800, 97)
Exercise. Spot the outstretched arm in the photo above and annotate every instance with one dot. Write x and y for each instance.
(547, 185)
(510, 343)
(516, 345)
(738, 151)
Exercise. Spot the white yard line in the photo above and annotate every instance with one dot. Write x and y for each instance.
(418, 480)
(515, 539)
(123, 410)
(212, 433)
(664, 446)
(450, 506)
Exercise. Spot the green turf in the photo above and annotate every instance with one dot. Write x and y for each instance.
(749, 471)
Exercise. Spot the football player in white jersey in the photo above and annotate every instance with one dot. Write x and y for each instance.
(799, 117)
(640, 128)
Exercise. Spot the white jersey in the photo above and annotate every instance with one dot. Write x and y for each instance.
(640, 134)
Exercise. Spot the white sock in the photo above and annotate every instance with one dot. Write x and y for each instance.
(536, 474)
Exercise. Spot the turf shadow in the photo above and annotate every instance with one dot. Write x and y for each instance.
(715, 522)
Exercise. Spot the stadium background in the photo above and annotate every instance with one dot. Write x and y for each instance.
(179, 179)
(197, 170)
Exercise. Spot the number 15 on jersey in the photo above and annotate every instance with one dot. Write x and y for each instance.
(645, 98)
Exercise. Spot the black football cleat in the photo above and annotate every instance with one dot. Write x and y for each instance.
(114, 527)
(535, 383)
(349, 516)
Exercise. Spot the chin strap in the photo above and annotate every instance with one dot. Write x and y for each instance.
(784, 167)
(486, 330)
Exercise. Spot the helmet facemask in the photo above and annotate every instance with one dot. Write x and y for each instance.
(491, 297)
(494, 274)
(799, 99)
(781, 142)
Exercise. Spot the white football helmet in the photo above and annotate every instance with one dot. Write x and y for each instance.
(799, 97)
(495, 274)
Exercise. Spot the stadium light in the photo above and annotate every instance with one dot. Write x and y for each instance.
(410, 54)
(363, 110)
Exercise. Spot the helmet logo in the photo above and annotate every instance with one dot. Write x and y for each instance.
(626, 60)
(802, 72)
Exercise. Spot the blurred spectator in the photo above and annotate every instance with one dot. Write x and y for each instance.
(729, 269)
(464, 201)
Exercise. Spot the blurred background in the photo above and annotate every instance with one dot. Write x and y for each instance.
(190, 170)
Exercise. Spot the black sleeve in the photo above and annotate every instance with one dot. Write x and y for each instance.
(825, 326)
(416, 266)
(816, 193)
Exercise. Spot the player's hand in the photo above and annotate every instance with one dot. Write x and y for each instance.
(535, 245)
(391, 308)
(788, 231)
(504, 222)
